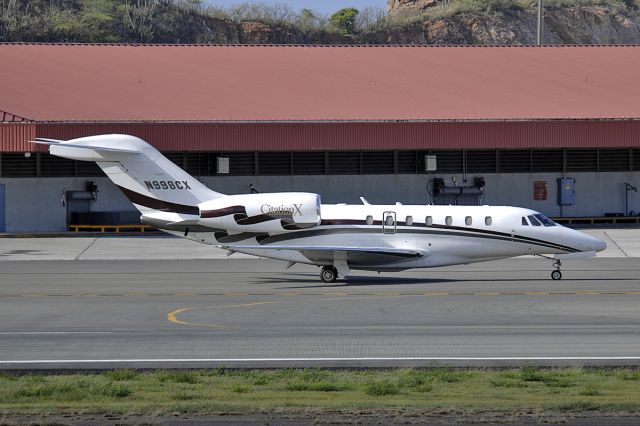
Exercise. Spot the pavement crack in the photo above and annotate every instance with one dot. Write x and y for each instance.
(86, 248)
(615, 243)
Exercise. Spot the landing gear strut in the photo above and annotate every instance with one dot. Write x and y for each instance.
(556, 275)
(328, 274)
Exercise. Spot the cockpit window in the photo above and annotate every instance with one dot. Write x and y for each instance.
(524, 221)
(545, 220)
(534, 221)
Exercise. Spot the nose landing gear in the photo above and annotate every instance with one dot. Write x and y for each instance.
(556, 274)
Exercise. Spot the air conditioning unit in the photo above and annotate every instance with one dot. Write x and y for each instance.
(223, 165)
(430, 163)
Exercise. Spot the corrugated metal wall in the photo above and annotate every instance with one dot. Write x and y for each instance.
(343, 136)
(16, 137)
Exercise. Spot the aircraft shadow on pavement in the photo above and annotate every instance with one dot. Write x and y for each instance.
(355, 281)
(15, 252)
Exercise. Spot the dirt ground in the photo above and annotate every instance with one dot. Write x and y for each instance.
(327, 417)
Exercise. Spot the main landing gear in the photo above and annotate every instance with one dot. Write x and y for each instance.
(556, 274)
(328, 274)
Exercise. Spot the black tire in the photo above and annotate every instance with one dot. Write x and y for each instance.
(556, 275)
(328, 274)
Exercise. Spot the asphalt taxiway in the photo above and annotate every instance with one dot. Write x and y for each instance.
(129, 304)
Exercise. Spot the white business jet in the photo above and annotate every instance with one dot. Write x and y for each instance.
(296, 227)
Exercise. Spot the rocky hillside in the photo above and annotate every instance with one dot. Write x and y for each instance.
(469, 22)
(613, 23)
(424, 22)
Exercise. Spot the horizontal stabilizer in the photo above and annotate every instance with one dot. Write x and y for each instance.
(377, 250)
(55, 142)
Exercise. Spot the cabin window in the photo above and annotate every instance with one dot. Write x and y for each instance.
(468, 220)
(409, 220)
(369, 220)
(448, 220)
(488, 221)
(388, 221)
(545, 220)
(534, 221)
(524, 221)
(428, 221)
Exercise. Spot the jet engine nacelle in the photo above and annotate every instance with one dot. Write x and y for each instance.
(268, 213)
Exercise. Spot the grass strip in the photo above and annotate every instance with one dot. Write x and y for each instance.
(250, 391)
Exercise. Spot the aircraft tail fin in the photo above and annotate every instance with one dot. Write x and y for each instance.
(150, 181)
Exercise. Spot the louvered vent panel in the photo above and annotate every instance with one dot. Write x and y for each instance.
(308, 163)
(241, 163)
(407, 162)
(377, 162)
(200, 164)
(481, 161)
(582, 160)
(344, 162)
(17, 165)
(274, 163)
(52, 166)
(515, 161)
(546, 160)
(613, 160)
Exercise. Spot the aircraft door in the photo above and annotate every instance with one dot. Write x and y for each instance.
(389, 222)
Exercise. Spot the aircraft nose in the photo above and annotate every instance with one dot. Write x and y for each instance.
(587, 242)
(599, 245)
(593, 243)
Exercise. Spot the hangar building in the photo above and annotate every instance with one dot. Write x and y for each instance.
(341, 121)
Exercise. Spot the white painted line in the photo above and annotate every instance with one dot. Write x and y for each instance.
(172, 360)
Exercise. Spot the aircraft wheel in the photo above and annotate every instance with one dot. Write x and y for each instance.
(556, 275)
(328, 274)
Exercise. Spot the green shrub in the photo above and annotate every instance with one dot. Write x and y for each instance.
(382, 388)
(551, 378)
(344, 20)
(628, 374)
(240, 389)
(315, 387)
(113, 390)
(261, 379)
(589, 391)
(530, 374)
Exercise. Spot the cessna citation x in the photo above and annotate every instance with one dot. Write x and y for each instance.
(296, 227)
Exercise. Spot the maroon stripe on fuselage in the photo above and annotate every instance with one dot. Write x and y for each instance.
(155, 204)
(223, 212)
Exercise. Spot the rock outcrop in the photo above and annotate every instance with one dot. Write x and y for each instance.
(612, 24)
(515, 26)
(394, 6)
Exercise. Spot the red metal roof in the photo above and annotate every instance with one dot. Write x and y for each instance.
(282, 83)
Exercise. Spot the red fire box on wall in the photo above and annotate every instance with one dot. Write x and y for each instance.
(540, 190)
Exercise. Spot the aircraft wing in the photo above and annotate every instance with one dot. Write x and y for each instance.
(389, 251)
